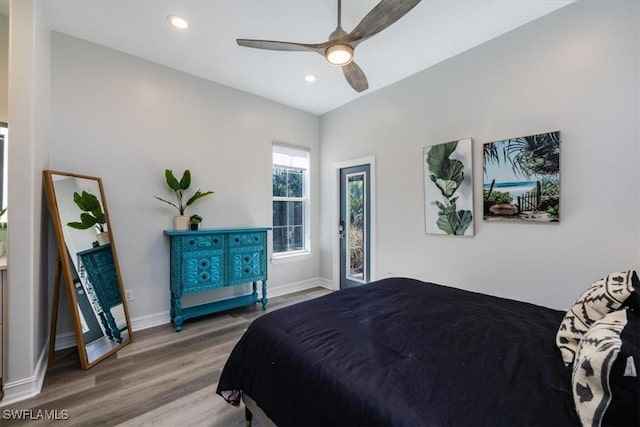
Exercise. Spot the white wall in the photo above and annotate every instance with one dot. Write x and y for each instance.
(125, 120)
(576, 71)
(28, 106)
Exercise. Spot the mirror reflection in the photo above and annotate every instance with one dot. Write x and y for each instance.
(89, 264)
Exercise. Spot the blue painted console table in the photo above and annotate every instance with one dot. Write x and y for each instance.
(215, 258)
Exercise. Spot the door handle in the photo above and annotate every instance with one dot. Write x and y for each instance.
(341, 229)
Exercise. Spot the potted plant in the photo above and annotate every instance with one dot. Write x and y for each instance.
(181, 222)
(91, 216)
(194, 220)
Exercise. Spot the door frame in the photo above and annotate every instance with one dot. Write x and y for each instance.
(335, 215)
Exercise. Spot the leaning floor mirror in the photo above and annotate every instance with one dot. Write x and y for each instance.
(88, 265)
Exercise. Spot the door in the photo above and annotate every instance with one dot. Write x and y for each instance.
(354, 225)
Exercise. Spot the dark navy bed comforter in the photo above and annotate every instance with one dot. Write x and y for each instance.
(404, 352)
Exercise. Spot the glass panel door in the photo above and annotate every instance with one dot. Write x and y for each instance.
(354, 226)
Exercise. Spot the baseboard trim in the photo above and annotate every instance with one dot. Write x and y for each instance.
(326, 283)
(65, 340)
(25, 388)
(289, 288)
(162, 318)
(68, 339)
(150, 320)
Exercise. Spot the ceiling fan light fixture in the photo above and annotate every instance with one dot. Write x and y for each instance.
(339, 54)
(338, 49)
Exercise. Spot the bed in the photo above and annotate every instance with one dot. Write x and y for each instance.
(403, 352)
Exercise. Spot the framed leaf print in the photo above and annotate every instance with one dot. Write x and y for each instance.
(448, 188)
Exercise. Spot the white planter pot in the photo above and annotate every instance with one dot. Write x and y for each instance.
(181, 223)
(103, 238)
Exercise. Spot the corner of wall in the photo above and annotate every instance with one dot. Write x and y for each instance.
(25, 388)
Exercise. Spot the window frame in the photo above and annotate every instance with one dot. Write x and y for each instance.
(4, 158)
(305, 252)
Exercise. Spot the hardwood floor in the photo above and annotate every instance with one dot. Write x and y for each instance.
(163, 378)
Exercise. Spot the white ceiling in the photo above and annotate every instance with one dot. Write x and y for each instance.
(432, 32)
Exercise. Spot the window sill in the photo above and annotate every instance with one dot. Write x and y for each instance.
(282, 259)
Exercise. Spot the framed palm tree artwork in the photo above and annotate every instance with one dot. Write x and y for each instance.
(448, 188)
(522, 179)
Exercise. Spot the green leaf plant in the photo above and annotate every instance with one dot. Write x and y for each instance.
(447, 174)
(92, 215)
(179, 187)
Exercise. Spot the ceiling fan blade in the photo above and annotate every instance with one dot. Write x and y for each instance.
(284, 46)
(355, 76)
(380, 17)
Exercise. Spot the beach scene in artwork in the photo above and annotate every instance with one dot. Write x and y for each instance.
(522, 179)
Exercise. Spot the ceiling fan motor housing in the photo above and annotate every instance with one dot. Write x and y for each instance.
(339, 54)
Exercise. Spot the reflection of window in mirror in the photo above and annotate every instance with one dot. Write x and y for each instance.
(4, 134)
(4, 137)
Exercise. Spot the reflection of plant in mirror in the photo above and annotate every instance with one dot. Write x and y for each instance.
(178, 187)
(447, 174)
(92, 215)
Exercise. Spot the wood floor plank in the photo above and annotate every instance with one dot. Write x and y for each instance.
(194, 409)
(163, 378)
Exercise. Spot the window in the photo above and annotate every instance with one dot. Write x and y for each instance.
(290, 200)
(4, 134)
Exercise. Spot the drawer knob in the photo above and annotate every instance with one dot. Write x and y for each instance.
(246, 270)
(216, 241)
(237, 239)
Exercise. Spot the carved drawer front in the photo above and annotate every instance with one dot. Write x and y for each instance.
(247, 264)
(246, 239)
(199, 243)
(99, 266)
(202, 270)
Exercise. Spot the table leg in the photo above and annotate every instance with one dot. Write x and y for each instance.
(264, 295)
(176, 311)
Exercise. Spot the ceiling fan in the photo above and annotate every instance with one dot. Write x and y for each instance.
(338, 50)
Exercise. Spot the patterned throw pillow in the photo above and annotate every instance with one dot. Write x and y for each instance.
(605, 382)
(604, 296)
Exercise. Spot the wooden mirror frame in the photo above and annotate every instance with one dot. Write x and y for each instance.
(66, 270)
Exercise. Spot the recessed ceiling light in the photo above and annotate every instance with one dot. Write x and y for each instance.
(310, 78)
(178, 21)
